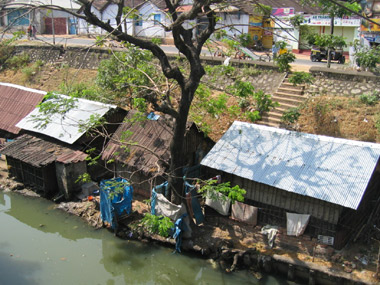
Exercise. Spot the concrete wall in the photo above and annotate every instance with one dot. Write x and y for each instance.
(67, 174)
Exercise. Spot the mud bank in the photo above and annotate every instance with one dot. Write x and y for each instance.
(230, 244)
(209, 242)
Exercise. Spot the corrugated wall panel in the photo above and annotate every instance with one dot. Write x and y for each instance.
(330, 169)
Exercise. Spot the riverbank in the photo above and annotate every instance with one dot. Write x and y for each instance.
(235, 245)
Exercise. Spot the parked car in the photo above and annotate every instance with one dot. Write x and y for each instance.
(319, 54)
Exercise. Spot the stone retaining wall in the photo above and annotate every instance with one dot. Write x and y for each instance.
(73, 56)
(268, 79)
(341, 82)
(328, 81)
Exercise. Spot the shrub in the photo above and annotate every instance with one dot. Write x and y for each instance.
(253, 116)
(28, 73)
(367, 58)
(377, 122)
(301, 77)
(157, 224)
(7, 49)
(244, 103)
(211, 190)
(264, 102)
(283, 61)
(369, 99)
(18, 61)
(291, 115)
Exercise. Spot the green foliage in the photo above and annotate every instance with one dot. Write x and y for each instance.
(261, 9)
(297, 20)
(83, 178)
(84, 90)
(253, 116)
(32, 70)
(329, 41)
(370, 99)
(291, 115)
(333, 10)
(283, 61)
(250, 71)
(245, 40)
(301, 77)
(7, 49)
(219, 70)
(311, 38)
(130, 75)
(139, 104)
(232, 45)
(157, 224)
(211, 190)
(28, 73)
(281, 44)
(241, 89)
(18, 61)
(245, 92)
(220, 34)
(377, 122)
(366, 57)
(115, 187)
(264, 102)
(100, 41)
(206, 103)
(244, 103)
(157, 41)
(52, 104)
(131, 12)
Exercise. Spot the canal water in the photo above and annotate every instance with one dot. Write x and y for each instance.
(43, 245)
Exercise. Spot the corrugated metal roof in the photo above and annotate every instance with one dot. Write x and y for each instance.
(296, 4)
(15, 103)
(39, 152)
(152, 139)
(330, 169)
(67, 127)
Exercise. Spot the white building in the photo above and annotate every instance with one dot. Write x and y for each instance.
(18, 15)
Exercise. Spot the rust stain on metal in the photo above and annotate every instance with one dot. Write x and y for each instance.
(15, 104)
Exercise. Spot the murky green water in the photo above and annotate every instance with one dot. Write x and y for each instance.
(40, 245)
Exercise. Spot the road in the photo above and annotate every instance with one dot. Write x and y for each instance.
(302, 62)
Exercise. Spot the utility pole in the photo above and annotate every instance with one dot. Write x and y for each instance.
(52, 23)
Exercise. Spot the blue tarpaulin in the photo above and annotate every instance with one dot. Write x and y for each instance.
(191, 191)
(179, 228)
(118, 203)
(162, 189)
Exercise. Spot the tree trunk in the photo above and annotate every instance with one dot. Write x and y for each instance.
(177, 159)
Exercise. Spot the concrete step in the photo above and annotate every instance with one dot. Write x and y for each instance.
(284, 107)
(287, 100)
(267, 123)
(276, 114)
(287, 83)
(290, 90)
(281, 94)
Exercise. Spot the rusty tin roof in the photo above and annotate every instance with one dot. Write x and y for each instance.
(15, 103)
(150, 141)
(41, 152)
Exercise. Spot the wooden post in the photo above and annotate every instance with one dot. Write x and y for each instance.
(378, 260)
(378, 265)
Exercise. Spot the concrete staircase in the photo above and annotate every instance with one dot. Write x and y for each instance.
(53, 68)
(288, 96)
